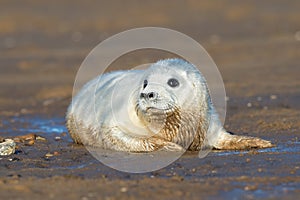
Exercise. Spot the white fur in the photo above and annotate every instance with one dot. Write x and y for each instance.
(107, 102)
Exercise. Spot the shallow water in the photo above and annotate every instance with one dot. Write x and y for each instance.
(277, 192)
(33, 124)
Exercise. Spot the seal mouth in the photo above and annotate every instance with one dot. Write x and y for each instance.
(155, 110)
(151, 110)
(156, 120)
(154, 115)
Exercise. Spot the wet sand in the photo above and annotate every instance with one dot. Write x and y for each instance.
(255, 45)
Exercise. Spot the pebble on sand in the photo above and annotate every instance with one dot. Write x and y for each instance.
(273, 97)
(49, 155)
(7, 147)
(124, 189)
(57, 138)
(22, 138)
(297, 36)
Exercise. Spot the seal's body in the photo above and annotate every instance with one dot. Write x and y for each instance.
(166, 106)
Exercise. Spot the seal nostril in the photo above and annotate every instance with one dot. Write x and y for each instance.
(150, 95)
(142, 95)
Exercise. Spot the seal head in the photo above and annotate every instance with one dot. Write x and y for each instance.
(172, 100)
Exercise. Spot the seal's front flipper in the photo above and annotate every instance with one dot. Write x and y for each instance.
(227, 141)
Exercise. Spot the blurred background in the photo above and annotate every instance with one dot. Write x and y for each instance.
(255, 44)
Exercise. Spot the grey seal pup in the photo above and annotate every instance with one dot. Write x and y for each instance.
(166, 106)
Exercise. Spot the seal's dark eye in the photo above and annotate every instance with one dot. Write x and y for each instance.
(145, 84)
(172, 82)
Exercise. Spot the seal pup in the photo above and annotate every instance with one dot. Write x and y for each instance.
(166, 106)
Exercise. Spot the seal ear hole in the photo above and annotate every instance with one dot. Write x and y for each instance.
(173, 82)
(145, 84)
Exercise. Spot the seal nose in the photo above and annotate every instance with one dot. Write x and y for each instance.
(149, 96)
